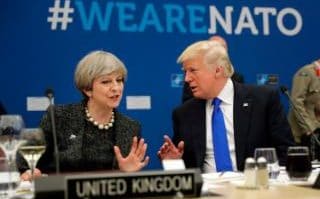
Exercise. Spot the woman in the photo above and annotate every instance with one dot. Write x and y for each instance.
(93, 135)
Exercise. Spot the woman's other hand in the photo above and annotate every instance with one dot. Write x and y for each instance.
(136, 159)
(27, 175)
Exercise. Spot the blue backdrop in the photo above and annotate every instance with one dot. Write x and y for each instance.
(42, 41)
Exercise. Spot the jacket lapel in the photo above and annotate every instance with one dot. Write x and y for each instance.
(243, 104)
(198, 130)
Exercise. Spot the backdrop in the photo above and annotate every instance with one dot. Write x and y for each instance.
(42, 41)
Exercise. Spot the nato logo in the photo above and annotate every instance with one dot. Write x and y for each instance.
(177, 80)
(267, 79)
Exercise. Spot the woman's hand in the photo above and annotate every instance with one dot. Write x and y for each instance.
(27, 175)
(136, 159)
(169, 151)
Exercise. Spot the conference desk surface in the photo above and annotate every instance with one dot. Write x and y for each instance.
(229, 191)
(226, 188)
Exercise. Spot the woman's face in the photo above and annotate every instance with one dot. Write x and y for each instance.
(107, 90)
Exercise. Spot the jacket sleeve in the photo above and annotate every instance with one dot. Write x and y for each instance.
(301, 82)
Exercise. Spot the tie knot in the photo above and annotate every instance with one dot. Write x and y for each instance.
(216, 102)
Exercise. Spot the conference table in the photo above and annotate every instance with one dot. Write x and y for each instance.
(229, 186)
(229, 191)
(282, 187)
(279, 192)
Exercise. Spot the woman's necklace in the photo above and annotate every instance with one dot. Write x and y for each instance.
(100, 126)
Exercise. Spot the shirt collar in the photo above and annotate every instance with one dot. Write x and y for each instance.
(227, 93)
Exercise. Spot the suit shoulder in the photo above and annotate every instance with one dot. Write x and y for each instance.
(190, 104)
(260, 88)
(305, 71)
(262, 92)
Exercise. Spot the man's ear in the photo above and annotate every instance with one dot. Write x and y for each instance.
(219, 71)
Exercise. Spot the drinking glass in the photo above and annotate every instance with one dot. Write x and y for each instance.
(298, 164)
(272, 160)
(10, 129)
(33, 146)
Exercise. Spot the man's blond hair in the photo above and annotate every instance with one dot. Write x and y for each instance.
(213, 52)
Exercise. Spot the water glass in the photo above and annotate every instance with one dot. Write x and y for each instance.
(298, 164)
(272, 160)
(10, 128)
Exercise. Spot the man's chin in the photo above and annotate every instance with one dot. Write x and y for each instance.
(196, 95)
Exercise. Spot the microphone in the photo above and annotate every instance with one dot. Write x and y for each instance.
(285, 91)
(49, 95)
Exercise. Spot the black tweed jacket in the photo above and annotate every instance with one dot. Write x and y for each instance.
(82, 146)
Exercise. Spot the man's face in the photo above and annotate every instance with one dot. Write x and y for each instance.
(201, 77)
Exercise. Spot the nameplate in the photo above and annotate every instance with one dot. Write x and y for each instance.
(173, 164)
(122, 185)
(317, 182)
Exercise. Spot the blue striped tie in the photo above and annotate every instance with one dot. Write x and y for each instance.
(220, 142)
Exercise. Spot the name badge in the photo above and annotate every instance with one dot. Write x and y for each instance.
(124, 185)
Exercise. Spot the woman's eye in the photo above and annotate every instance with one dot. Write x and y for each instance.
(106, 81)
(120, 80)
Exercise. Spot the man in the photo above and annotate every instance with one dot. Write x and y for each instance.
(253, 116)
(187, 93)
(2, 155)
(2, 109)
(306, 99)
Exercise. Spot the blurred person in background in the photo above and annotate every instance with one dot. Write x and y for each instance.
(2, 109)
(2, 155)
(305, 95)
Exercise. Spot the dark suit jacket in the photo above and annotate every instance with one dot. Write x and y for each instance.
(259, 121)
(2, 109)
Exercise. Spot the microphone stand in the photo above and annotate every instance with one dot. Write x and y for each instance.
(49, 94)
(285, 91)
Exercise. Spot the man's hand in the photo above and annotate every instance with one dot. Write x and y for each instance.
(169, 151)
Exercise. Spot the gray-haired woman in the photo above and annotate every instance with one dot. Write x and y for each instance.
(93, 135)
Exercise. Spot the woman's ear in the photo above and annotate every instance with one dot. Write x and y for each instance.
(87, 92)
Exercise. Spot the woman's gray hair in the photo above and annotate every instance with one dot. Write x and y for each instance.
(96, 64)
(213, 52)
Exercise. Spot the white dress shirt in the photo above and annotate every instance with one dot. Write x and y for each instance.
(226, 97)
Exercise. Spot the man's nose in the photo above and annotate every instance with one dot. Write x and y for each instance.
(187, 77)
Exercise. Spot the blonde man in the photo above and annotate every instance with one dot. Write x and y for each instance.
(187, 93)
(253, 116)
